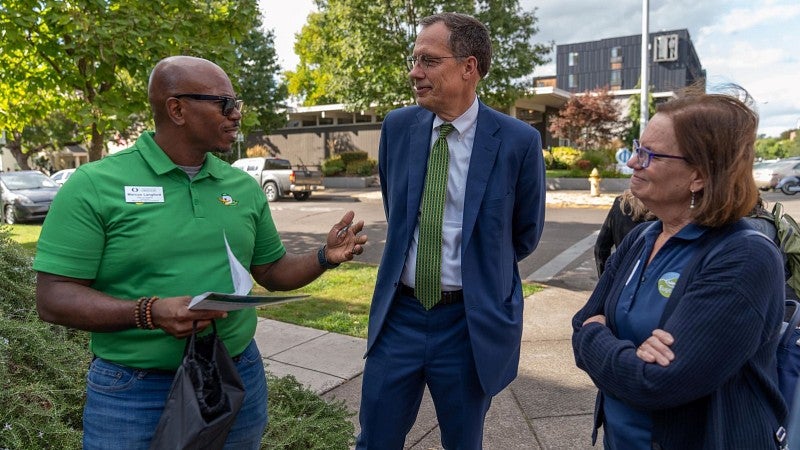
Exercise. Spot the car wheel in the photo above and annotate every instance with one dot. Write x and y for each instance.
(9, 215)
(789, 188)
(302, 196)
(271, 189)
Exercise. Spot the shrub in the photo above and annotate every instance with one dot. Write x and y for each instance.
(566, 155)
(42, 366)
(598, 158)
(300, 420)
(583, 164)
(350, 157)
(333, 166)
(362, 168)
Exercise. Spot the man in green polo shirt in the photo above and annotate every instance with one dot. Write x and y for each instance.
(132, 237)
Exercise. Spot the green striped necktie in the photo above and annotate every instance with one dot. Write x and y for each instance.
(428, 288)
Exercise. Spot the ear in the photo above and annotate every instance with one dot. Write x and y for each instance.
(697, 183)
(470, 68)
(175, 111)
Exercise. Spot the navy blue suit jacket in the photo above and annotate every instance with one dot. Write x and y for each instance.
(502, 224)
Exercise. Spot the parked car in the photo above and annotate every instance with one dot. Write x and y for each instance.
(26, 195)
(278, 179)
(61, 176)
(768, 174)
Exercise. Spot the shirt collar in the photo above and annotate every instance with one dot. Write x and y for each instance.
(158, 160)
(463, 122)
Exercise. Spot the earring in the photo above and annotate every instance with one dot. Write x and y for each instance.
(691, 205)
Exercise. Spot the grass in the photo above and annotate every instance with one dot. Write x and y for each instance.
(25, 235)
(338, 301)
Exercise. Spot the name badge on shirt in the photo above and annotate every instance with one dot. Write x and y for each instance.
(144, 194)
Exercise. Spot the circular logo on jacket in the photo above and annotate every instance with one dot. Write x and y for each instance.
(666, 283)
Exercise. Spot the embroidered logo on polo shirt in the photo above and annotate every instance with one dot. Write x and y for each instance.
(667, 283)
(227, 200)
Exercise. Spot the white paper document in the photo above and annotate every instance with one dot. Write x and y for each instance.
(242, 284)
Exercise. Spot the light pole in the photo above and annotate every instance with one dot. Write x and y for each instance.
(643, 103)
(239, 140)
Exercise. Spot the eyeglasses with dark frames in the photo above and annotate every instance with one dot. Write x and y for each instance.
(427, 61)
(644, 155)
(228, 103)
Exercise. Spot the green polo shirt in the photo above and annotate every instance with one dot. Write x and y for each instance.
(136, 225)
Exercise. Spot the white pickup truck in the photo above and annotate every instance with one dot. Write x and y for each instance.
(278, 179)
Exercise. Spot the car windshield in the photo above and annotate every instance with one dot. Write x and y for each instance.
(27, 180)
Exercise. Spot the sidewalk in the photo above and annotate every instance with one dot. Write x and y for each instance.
(549, 405)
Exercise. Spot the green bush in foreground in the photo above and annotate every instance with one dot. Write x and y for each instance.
(299, 419)
(43, 372)
(42, 367)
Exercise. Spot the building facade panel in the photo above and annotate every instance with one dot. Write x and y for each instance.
(615, 63)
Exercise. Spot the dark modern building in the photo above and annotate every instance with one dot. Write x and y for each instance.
(615, 63)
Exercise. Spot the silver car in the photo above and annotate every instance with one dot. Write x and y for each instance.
(25, 195)
(767, 174)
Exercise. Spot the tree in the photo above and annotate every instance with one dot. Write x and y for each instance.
(353, 51)
(589, 120)
(777, 147)
(95, 56)
(262, 91)
(635, 114)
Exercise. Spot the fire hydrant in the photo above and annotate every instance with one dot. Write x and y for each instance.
(594, 183)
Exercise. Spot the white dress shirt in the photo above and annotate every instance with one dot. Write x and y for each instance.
(459, 143)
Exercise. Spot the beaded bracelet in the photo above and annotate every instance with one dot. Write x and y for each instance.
(137, 312)
(148, 313)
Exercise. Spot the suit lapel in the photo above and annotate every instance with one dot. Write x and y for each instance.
(484, 154)
(419, 142)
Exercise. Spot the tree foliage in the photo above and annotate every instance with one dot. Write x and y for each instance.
(259, 86)
(776, 148)
(353, 51)
(589, 120)
(635, 114)
(91, 59)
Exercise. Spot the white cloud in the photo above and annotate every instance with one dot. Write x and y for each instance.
(742, 19)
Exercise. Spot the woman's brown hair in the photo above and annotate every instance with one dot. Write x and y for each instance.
(717, 133)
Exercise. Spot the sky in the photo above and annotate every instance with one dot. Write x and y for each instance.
(753, 43)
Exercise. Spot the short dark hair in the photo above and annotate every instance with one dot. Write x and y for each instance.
(717, 134)
(468, 37)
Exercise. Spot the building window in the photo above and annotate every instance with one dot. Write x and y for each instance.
(616, 78)
(616, 57)
(572, 81)
(573, 59)
(666, 48)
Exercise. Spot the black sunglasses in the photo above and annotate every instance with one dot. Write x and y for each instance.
(228, 103)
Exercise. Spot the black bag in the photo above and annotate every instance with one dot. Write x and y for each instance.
(204, 399)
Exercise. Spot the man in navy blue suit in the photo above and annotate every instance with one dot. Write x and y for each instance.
(465, 347)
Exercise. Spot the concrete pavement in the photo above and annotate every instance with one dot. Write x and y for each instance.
(548, 406)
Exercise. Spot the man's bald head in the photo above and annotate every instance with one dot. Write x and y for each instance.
(180, 74)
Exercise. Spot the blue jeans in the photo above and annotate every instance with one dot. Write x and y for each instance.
(123, 405)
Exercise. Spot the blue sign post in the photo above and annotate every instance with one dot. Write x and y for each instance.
(623, 155)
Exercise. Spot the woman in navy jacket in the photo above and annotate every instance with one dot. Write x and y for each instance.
(705, 377)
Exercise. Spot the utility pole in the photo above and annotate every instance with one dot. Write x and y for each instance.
(239, 140)
(643, 103)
